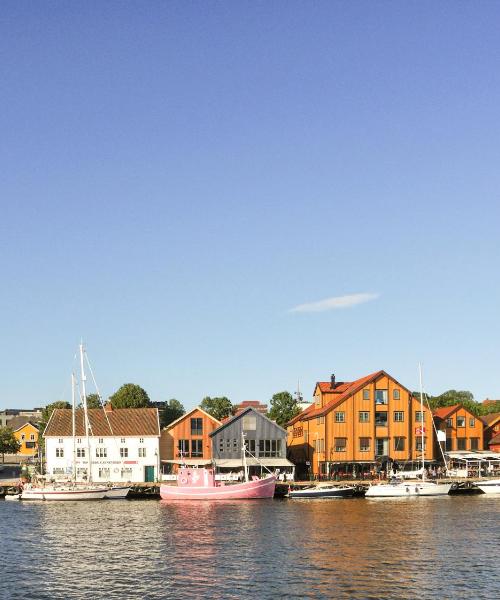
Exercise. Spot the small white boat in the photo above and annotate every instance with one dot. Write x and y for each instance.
(400, 489)
(54, 493)
(12, 497)
(117, 492)
(322, 491)
(489, 487)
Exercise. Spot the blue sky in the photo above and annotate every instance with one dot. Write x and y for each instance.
(183, 183)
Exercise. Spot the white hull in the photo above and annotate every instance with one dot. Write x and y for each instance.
(55, 494)
(489, 487)
(117, 493)
(407, 490)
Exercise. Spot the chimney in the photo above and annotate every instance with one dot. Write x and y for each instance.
(108, 407)
(332, 385)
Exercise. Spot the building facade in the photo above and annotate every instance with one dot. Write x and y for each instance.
(123, 445)
(187, 440)
(26, 433)
(354, 425)
(491, 432)
(264, 439)
(461, 429)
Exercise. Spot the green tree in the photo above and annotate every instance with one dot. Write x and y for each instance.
(171, 411)
(451, 397)
(130, 395)
(93, 401)
(284, 407)
(219, 407)
(8, 442)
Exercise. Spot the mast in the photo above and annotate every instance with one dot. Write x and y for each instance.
(244, 455)
(422, 422)
(73, 430)
(85, 412)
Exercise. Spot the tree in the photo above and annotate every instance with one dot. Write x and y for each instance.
(8, 442)
(451, 397)
(284, 407)
(219, 407)
(94, 401)
(171, 411)
(130, 395)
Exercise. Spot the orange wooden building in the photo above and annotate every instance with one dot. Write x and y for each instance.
(355, 424)
(26, 432)
(187, 440)
(464, 431)
(491, 434)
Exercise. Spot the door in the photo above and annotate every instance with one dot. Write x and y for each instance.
(149, 474)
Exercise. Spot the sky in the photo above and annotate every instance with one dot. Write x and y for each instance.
(236, 198)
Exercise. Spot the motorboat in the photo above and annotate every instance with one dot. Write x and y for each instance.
(399, 489)
(117, 492)
(322, 491)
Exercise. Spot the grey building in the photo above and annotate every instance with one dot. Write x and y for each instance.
(264, 439)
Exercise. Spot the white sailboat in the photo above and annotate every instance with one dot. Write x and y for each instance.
(70, 490)
(489, 487)
(407, 489)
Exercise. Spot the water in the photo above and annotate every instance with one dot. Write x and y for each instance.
(443, 547)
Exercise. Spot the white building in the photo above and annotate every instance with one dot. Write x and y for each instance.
(123, 445)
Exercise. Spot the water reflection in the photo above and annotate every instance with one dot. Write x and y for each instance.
(401, 548)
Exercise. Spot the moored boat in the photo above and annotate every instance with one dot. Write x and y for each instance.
(323, 491)
(489, 487)
(400, 489)
(117, 492)
(62, 492)
(200, 484)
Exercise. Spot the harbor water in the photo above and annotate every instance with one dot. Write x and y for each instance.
(445, 547)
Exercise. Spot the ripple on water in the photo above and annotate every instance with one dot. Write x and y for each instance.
(430, 548)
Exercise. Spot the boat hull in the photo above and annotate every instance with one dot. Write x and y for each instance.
(407, 490)
(489, 487)
(61, 494)
(117, 493)
(255, 489)
(337, 492)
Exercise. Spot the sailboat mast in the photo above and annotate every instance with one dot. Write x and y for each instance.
(244, 455)
(422, 422)
(85, 412)
(73, 429)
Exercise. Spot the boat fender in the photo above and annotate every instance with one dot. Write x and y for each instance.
(454, 486)
(2, 491)
(416, 489)
(183, 480)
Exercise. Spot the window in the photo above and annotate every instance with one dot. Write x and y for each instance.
(32, 436)
(60, 441)
(221, 445)
(59, 452)
(104, 473)
(340, 444)
(461, 444)
(320, 420)
(306, 436)
(80, 452)
(22, 436)
(58, 471)
(269, 448)
(399, 444)
(449, 422)
(141, 440)
(101, 441)
(364, 444)
(460, 421)
(122, 441)
(472, 422)
(364, 417)
(340, 416)
(251, 446)
(126, 473)
(419, 443)
(197, 448)
(81, 473)
(249, 423)
(235, 445)
(228, 445)
(399, 416)
(396, 394)
(30, 444)
(380, 396)
(102, 452)
(381, 419)
(142, 452)
(419, 416)
(197, 426)
(183, 447)
(449, 444)
(79, 440)
(124, 452)
(474, 443)
(298, 431)
(366, 394)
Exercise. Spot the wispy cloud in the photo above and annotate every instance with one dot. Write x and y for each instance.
(335, 303)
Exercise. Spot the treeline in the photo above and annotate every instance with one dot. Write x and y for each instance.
(451, 397)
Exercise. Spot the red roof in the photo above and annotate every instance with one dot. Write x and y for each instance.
(445, 411)
(495, 440)
(342, 391)
(123, 421)
(491, 419)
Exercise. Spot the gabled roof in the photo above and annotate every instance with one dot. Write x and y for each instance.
(491, 419)
(445, 411)
(17, 423)
(123, 421)
(240, 415)
(186, 415)
(495, 440)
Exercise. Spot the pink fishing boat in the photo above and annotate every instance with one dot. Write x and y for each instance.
(200, 484)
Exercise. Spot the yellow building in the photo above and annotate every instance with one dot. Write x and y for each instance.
(352, 425)
(26, 433)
